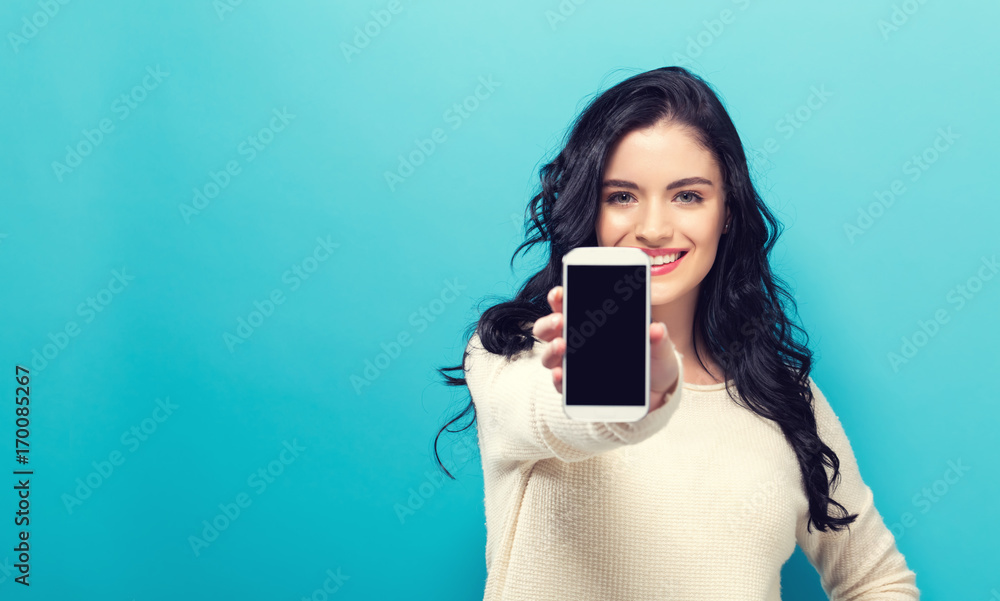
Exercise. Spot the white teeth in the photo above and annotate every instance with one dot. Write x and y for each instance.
(664, 259)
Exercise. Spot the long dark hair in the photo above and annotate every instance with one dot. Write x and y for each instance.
(741, 308)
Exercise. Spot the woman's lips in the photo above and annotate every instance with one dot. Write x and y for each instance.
(666, 267)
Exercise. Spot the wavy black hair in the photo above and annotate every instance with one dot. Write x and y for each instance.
(741, 307)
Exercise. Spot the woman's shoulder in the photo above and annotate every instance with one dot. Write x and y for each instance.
(826, 417)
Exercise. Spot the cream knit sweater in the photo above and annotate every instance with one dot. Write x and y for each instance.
(700, 499)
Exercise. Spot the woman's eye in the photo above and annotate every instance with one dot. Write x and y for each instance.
(619, 196)
(686, 198)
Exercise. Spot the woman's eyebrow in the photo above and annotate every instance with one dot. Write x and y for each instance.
(690, 181)
(687, 181)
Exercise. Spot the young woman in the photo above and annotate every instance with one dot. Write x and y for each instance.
(707, 495)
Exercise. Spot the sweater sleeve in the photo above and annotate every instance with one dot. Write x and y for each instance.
(862, 564)
(520, 412)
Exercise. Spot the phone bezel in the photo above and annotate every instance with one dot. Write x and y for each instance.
(606, 255)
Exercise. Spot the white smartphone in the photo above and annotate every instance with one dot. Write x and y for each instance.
(606, 317)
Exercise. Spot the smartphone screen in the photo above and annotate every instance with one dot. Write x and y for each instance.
(605, 314)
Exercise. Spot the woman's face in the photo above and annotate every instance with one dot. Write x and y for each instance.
(663, 192)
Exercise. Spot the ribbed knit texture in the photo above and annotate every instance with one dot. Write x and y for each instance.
(700, 499)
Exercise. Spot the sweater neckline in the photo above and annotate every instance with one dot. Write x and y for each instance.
(707, 387)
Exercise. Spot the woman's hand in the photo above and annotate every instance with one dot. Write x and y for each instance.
(663, 377)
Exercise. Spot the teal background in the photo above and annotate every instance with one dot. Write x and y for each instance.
(332, 508)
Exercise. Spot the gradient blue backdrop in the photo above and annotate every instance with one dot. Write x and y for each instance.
(307, 217)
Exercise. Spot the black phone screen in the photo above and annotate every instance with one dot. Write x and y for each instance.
(605, 313)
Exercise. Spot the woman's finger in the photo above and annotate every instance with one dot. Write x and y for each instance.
(656, 332)
(553, 355)
(556, 299)
(548, 327)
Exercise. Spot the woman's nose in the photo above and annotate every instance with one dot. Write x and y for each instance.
(653, 223)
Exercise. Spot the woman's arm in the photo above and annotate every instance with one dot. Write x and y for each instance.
(521, 417)
(863, 564)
